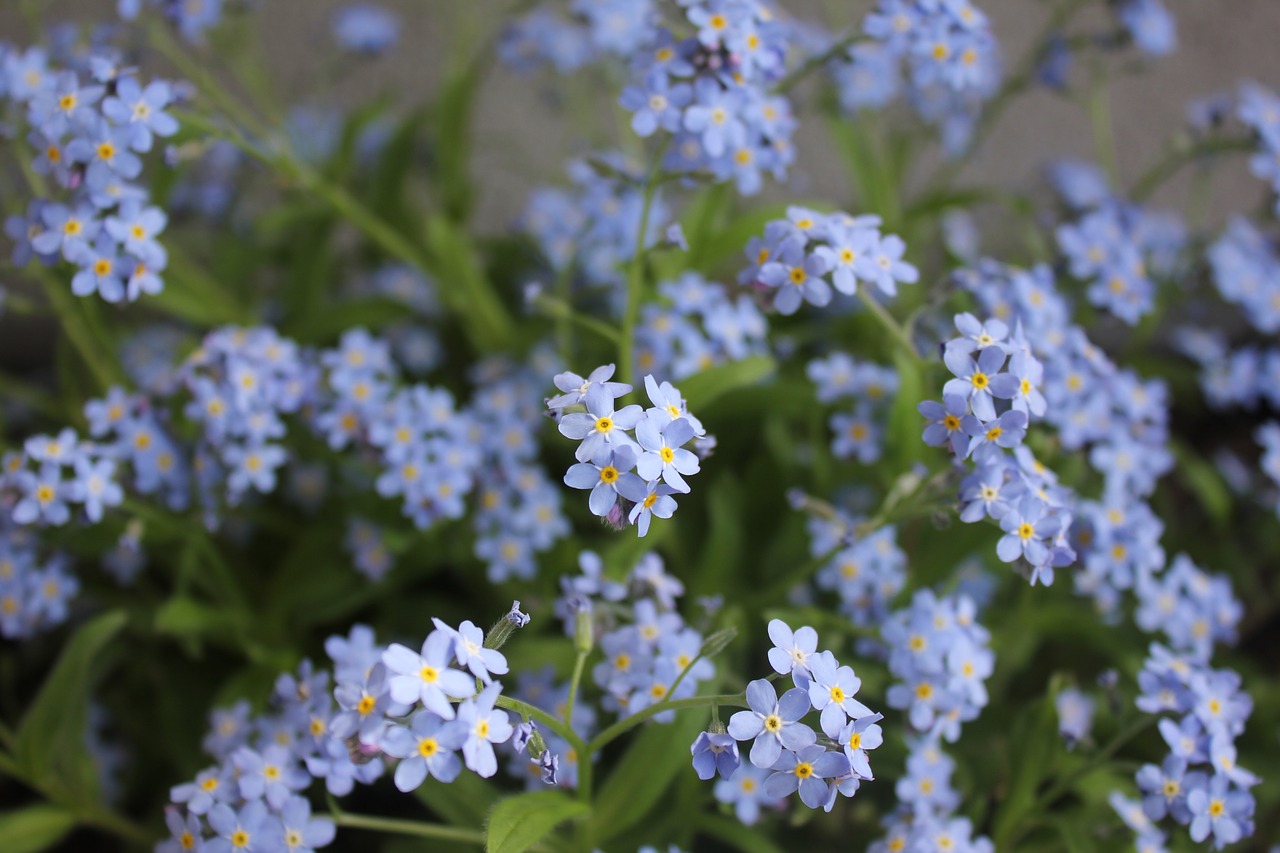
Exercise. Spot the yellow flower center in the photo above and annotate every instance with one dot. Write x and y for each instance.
(608, 474)
(428, 747)
(604, 424)
(837, 695)
(951, 422)
(979, 380)
(239, 838)
(667, 454)
(106, 151)
(1026, 531)
(429, 674)
(366, 705)
(773, 723)
(803, 770)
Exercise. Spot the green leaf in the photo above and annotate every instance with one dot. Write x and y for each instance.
(1034, 750)
(49, 742)
(518, 823)
(470, 294)
(903, 433)
(34, 828)
(704, 387)
(463, 802)
(1204, 482)
(643, 775)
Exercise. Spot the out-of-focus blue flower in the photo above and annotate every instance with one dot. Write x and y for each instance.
(366, 28)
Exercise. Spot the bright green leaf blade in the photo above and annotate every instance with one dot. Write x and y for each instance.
(34, 828)
(703, 388)
(518, 823)
(659, 752)
(51, 735)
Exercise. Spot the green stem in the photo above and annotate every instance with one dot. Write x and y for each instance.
(182, 58)
(1179, 157)
(1104, 142)
(558, 307)
(549, 720)
(635, 282)
(409, 827)
(578, 663)
(778, 591)
(1015, 84)
(626, 724)
(683, 673)
(1122, 737)
(813, 63)
(890, 324)
(99, 361)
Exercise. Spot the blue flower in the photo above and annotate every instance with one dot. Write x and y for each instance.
(831, 690)
(797, 277)
(469, 650)
(772, 722)
(247, 829)
(656, 104)
(1218, 809)
(427, 745)
(1026, 527)
(791, 649)
(604, 476)
(44, 497)
(142, 111)
(365, 28)
(135, 228)
(274, 774)
(715, 753)
(1006, 431)
(95, 486)
(298, 831)
(884, 266)
(857, 737)
(600, 427)
(426, 677)
(664, 456)
(714, 117)
(973, 378)
(948, 423)
(481, 727)
(651, 499)
(807, 769)
(745, 792)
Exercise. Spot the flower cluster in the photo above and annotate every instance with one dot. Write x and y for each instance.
(951, 58)
(88, 123)
(712, 93)
(34, 588)
(939, 653)
(419, 711)
(240, 389)
(1088, 400)
(654, 655)
(39, 494)
(608, 451)
(871, 386)
(799, 760)
(699, 326)
(865, 571)
(1246, 272)
(1209, 711)
(592, 228)
(800, 258)
(1116, 247)
(989, 364)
